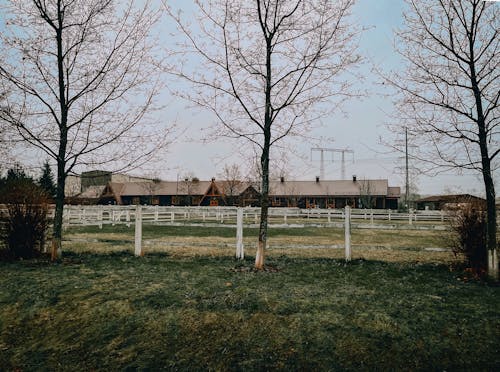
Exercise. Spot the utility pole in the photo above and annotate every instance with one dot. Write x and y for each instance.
(322, 150)
(407, 187)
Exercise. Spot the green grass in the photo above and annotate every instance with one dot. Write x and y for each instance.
(401, 238)
(117, 312)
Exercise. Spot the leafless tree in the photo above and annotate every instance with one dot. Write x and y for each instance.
(189, 186)
(365, 193)
(270, 68)
(82, 82)
(232, 180)
(450, 90)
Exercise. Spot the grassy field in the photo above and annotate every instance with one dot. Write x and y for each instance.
(186, 241)
(114, 311)
(188, 305)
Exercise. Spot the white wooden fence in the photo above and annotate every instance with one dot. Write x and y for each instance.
(227, 216)
(233, 217)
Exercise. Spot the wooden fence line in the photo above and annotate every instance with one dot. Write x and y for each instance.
(99, 215)
(234, 217)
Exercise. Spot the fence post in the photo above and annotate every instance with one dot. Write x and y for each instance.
(156, 213)
(347, 224)
(239, 234)
(409, 216)
(99, 216)
(138, 232)
(127, 217)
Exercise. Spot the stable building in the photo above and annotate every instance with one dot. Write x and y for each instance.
(302, 194)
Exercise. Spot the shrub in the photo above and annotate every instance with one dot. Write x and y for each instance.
(469, 235)
(25, 223)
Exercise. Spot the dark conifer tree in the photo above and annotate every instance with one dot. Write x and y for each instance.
(46, 181)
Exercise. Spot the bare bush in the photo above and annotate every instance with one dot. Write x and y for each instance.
(25, 224)
(469, 235)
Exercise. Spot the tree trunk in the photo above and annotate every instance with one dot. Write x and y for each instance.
(264, 204)
(491, 220)
(56, 252)
(491, 215)
(264, 161)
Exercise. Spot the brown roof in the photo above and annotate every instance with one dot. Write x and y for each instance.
(276, 188)
(92, 192)
(393, 191)
(448, 198)
(333, 188)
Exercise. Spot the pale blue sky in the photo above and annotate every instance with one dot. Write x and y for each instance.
(359, 130)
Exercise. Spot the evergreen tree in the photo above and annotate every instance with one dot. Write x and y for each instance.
(17, 173)
(46, 181)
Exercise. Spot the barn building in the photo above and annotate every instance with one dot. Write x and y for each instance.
(282, 193)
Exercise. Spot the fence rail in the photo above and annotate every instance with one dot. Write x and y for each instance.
(227, 216)
(233, 217)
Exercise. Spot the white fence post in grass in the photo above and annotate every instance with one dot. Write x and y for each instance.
(138, 232)
(99, 216)
(239, 234)
(347, 233)
(409, 216)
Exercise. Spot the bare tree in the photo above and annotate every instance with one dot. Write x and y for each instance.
(270, 68)
(365, 193)
(82, 83)
(450, 90)
(231, 175)
(189, 186)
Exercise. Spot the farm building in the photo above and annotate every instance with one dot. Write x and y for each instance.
(77, 186)
(302, 194)
(439, 202)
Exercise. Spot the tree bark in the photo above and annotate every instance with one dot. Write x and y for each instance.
(264, 201)
(56, 252)
(491, 216)
(264, 211)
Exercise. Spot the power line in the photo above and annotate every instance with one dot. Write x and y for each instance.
(322, 150)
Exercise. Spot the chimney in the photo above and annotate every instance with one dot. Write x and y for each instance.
(282, 179)
(317, 179)
(353, 178)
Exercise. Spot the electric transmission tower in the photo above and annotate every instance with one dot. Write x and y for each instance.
(408, 169)
(322, 150)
